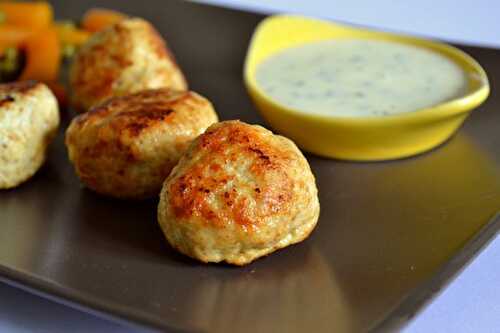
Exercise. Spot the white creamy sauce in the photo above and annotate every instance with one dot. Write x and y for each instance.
(356, 77)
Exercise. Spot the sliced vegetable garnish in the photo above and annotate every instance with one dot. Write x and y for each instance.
(11, 35)
(34, 15)
(69, 34)
(43, 56)
(96, 19)
(32, 45)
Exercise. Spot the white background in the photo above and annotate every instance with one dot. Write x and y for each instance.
(471, 303)
(474, 22)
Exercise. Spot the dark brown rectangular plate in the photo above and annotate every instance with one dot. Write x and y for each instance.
(390, 236)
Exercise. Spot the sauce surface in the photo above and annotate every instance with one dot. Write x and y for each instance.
(357, 77)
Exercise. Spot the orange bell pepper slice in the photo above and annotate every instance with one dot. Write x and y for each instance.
(11, 35)
(71, 35)
(35, 15)
(43, 57)
(96, 19)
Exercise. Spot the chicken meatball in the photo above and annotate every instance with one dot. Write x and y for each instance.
(238, 193)
(127, 146)
(29, 118)
(127, 57)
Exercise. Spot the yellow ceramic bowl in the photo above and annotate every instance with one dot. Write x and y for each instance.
(360, 138)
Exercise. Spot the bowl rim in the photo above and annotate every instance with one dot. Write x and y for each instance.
(471, 98)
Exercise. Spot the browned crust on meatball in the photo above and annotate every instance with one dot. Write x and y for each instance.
(26, 88)
(19, 87)
(190, 193)
(96, 80)
(137, 112)
(238, 193)
(98, 70)
(127, 146)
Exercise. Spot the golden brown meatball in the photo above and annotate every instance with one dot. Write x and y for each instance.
(29, 118)
(127, 57)
(239, 192)
(127, 146)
